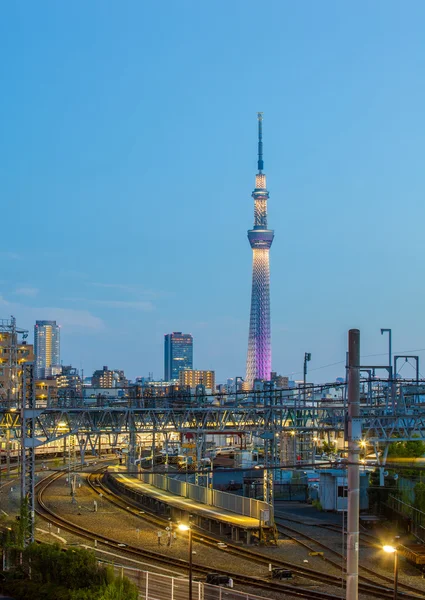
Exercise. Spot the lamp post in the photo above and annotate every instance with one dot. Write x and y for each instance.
(294, 447)
(392, 550)
(315, 440)
(188, 528)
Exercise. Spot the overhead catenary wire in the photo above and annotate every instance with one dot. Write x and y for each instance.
(341, 362)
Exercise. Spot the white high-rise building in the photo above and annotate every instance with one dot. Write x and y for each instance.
(46, 349)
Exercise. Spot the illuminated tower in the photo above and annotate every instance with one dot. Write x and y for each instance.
(259, 361)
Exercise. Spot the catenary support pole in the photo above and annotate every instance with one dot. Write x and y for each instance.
(354, 437)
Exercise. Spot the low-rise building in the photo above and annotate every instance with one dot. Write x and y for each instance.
(155, 393)
(194, 377)
(281, 382)
(333, 487)
(46, 391)
(106, 378)
(69, 383)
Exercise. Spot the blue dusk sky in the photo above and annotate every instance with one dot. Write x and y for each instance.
(128, 155)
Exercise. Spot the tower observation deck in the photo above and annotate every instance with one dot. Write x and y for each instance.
(259, 360)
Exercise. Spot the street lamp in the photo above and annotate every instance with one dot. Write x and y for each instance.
(315, 440)
(363, 446)
(294, 447)
(392, 550)
(188, 528)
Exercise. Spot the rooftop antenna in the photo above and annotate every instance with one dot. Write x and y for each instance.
(260, 142)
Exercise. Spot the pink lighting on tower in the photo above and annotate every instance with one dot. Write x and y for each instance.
(259, 360)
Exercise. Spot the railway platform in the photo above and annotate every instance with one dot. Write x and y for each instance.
(217, 521)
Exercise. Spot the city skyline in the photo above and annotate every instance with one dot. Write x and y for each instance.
(138, 147)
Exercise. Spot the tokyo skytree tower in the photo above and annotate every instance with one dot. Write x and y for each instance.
(259, 361)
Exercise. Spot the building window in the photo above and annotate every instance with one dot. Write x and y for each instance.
(342, 491)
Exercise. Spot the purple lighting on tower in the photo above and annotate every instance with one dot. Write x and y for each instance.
(259, 361)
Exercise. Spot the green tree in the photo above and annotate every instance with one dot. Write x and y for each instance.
(415, 448)
(73, 569)
(328, 447)
(410, 449)
(396, 450)
(73, 574)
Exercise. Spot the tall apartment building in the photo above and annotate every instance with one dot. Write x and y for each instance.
(69, 383)
(13, 354)
(105, 378)
(178, 354)
(193, 377)
(47, 349)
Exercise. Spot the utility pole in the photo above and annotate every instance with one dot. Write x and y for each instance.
(307, 358)
(354, 437)
(28, 446)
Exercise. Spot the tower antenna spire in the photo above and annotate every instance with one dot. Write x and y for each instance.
(260, 142)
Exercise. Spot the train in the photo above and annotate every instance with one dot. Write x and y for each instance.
(53, 449)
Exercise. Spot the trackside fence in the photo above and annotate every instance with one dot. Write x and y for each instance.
(153, 586)
(415, 516)
(248, 507)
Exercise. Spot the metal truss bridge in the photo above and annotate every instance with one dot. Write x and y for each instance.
(382, 419)
(395, 410)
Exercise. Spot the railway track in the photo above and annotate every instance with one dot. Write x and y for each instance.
(133, 551)
(366, 538)
(294, 532)
(365, 586)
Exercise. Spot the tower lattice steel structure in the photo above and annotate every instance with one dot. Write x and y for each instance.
(259, 361)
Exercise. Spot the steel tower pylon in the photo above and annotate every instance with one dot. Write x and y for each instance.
(259, 360)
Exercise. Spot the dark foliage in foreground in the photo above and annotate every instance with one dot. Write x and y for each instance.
(49, 573)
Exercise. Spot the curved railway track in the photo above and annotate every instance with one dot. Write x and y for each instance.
(367, 538)
(365, 586)
(282, 528)
(267, 585)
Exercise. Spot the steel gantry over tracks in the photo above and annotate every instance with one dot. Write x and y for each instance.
(380, 423)
(397, 414)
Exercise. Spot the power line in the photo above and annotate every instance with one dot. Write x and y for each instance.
(340, 362)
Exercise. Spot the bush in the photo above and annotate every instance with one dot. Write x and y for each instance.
(317, 505)
(328, 447)
(411, 449)
(67, 575)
